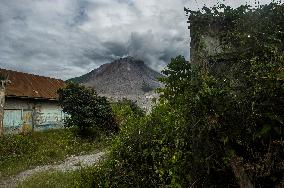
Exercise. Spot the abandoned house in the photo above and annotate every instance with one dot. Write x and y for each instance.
(30, 103)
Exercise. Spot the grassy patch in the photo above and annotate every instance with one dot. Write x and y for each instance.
(52, 180)
(57, 179)
(21, 152)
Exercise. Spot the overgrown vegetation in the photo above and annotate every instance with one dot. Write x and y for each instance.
(21, 152)
(218, 125)
(220, 120)
(126, 109)
(87, 111)
(243, 97)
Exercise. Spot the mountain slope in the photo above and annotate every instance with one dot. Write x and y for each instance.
(123, 78)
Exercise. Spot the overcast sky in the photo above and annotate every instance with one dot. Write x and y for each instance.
(67, 38)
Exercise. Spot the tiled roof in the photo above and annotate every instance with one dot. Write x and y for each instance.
(31, 86)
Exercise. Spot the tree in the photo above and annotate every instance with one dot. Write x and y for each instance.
(233, 104)
(233, 132)
(87, 111)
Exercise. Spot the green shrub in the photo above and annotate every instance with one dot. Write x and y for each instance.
(87, 111)
(234, 131)
(146, 152)
(126, 109)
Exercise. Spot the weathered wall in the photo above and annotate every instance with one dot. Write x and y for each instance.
(204, 46)
(21, 115)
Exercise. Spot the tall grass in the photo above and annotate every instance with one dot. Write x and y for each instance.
(21, 152)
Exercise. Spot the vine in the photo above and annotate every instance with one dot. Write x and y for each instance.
(244, 31)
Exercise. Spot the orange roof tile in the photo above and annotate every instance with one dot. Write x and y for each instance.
(31, 86)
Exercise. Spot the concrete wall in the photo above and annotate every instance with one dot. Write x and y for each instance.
(23, 115)
(209, 41)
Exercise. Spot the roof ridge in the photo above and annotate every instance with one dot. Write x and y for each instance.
(31, 74)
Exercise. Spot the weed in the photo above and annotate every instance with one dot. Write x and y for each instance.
(19, 152)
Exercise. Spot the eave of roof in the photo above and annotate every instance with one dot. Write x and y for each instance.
(32, 98)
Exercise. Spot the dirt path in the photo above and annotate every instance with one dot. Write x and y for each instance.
(70, 164)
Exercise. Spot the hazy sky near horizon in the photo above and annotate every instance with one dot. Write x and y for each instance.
(67, 38)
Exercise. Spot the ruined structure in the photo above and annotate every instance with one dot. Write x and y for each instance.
(205, 42)
(30, 102)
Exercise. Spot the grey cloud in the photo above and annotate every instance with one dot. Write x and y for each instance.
(156, 52)
(146, 46)
(116, 49)
(80, 13)
(67, 38)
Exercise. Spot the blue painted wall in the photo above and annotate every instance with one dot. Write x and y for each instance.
(12, 120)
(21, 115)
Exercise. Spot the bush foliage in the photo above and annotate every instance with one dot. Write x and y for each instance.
(87, 111)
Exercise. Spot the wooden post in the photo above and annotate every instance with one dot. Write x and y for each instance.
(2, 104)
(4, 80)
